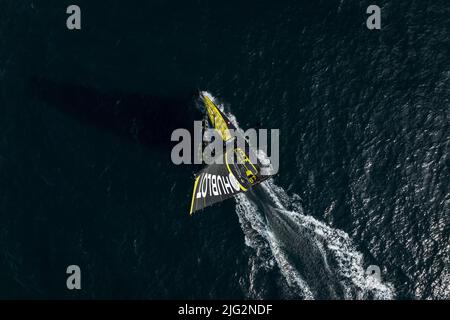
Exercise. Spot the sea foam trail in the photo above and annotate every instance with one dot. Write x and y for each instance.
(315, 260)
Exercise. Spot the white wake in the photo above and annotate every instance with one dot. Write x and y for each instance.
(332, 248)
(334, 245)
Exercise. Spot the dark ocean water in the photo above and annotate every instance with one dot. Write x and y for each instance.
(85, 171)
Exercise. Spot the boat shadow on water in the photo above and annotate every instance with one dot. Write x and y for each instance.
(143, 118)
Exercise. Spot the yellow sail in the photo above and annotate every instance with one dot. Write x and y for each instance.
(216, 118)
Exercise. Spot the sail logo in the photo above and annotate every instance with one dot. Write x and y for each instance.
(216, 185)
